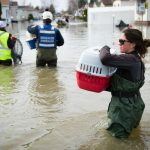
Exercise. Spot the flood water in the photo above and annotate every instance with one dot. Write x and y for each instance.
(44, 109)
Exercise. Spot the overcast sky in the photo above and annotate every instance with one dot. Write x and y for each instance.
(59, 4)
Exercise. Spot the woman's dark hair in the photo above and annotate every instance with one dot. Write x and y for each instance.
(135, 36)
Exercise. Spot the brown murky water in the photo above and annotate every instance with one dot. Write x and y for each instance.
(43, 109)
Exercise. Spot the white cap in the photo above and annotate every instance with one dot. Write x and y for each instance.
(3, 24)
(47, 15)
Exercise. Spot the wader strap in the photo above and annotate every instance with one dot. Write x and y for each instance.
(125, 94)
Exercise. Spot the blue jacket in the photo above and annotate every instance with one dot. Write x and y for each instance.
(58, 39)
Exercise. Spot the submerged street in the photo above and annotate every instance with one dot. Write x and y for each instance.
(44, 109)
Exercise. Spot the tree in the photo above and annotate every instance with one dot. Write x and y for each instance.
(52, 9)
(82, 3)
(73, 6)
(0, 10)
(94, 1)
(84, 16)
(30, 17)
(37, 8)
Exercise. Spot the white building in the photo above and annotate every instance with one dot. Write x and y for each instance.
(21, 13)
(130, 11)
(119, 3)
(13, 11)
(111, 15)
(24, 11)
(5, 10)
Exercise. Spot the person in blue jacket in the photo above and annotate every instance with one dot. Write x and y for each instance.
(48, 38)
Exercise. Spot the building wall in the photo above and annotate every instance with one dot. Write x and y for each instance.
(148, 11)
(118, 3)
(111, 15)
(4, 2)
(24, 11)
(5, 14)
(5, 10)
(142, 16)
(13, 11)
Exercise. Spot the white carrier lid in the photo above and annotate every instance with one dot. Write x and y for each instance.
(90, 63)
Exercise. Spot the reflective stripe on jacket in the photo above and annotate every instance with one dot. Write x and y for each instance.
(5, 52)
(47, 37)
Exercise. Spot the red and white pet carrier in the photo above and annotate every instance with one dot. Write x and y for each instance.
(91, 74)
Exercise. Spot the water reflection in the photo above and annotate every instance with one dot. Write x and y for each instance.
(102, 140)
(7, 82)
(76, 40)
(45, 89)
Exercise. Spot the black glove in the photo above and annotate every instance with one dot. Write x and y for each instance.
(104, 52)
(105, 48)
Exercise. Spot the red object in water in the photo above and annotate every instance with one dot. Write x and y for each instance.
(13, 38)
(91, 82)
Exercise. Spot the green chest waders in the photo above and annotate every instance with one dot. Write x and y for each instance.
(126, 107)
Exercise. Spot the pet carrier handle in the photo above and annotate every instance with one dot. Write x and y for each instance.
(111, 73)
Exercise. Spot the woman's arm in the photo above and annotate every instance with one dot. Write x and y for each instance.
(123, 61)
